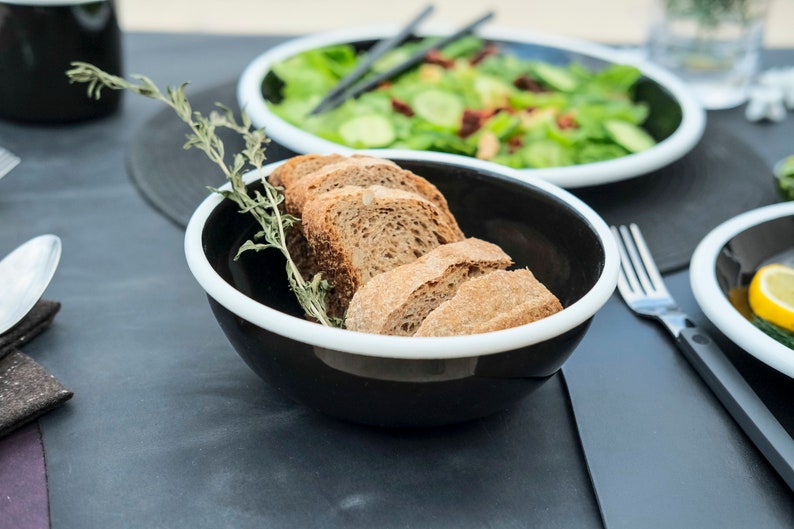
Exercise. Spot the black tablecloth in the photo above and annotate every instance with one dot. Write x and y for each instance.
(168, 427)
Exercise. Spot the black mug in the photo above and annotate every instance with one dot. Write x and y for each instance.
(38, 41)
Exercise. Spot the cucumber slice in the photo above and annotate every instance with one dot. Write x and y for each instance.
(629, 136)
(439, 107)
(367, 131)
(556, 77)
(494, 93)
(391, 59)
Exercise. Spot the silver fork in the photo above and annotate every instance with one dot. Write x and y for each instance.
(8, 161)
(643, 290)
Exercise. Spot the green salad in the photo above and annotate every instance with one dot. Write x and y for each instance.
(468, 98)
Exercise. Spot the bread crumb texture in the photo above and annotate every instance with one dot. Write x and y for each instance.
(357, 233)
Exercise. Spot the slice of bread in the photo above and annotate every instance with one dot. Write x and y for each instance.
(287, 175)
(361, 171)
(297, 167)
(491, 302)
(396, 302)
(357, 233)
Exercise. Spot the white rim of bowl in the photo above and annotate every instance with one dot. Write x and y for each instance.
(693, 116)
(716, 306)
(400, 346)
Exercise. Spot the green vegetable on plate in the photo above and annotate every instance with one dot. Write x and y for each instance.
(783, 336)
(784, 172)
(469, 98)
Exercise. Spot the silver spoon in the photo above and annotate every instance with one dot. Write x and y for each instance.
(24, 276)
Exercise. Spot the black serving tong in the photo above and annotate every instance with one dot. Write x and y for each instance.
(344, 91)
(375, 53)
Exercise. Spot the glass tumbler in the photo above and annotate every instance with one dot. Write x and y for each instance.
(712, 45)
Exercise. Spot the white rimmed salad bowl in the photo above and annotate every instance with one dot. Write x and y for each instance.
(675, 120)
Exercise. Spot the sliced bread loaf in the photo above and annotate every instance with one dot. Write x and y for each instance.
(397, 301)
(357, 233)
(491, 302)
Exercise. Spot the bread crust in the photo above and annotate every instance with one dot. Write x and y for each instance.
(297, 167)
(492, 302)
(397, 301)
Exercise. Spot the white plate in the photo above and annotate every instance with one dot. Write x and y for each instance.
(553, 48)
(710, 293)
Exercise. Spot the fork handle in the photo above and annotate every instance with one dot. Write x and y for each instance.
(740, 400)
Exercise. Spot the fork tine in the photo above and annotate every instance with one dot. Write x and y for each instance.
(628, 284)
(8, 161)
(649, 264)
(637, 263)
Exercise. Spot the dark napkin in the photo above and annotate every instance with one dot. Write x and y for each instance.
(24, 501)
(27, 390)
(36, 321)
(676, 206)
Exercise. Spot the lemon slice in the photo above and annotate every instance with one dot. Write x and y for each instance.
(771, 295)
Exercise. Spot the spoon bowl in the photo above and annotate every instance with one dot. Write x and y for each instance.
(25, 274)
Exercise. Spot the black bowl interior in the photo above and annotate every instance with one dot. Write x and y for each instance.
(664, 116)
(767, 242)
(536, 229)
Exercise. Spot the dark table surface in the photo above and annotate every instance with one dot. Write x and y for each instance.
(168, 427)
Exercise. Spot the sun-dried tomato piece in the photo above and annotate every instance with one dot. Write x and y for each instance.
(566, 121)
(514, 143)
(435, 57)
(525, 82)
(401, 107)
(473, 120)
(486, 51)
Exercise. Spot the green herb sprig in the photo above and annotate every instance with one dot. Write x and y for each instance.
(264, 207)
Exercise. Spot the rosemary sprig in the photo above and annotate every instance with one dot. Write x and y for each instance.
(263, 207)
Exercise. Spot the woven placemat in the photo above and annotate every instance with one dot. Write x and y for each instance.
(675, 206)
(175, 180)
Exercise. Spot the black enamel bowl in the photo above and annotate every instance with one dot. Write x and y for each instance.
(408, 381)
(725, 262)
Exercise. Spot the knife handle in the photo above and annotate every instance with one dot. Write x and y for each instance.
(740, 400)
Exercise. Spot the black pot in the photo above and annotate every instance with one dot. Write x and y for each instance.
(38, 42)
